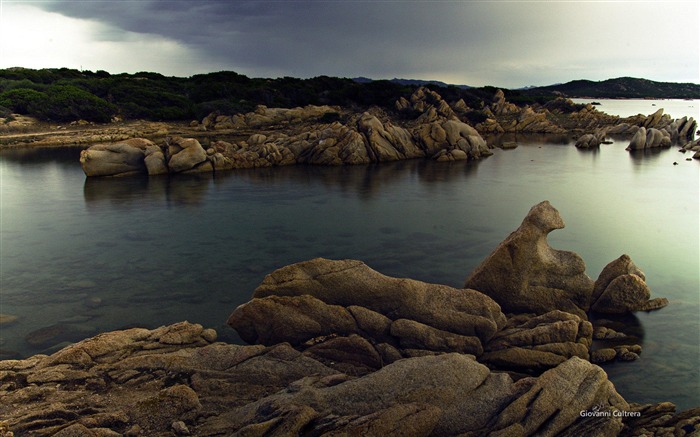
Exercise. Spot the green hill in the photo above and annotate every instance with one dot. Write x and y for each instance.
(623, 87)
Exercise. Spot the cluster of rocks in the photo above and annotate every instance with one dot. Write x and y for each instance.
(652, 131)
(427, 127)
(177, 380)
(692, 146)
(263, 117)
(299, 137)
(340, 349)
(500, 115)
(344, 305)
(591, 140)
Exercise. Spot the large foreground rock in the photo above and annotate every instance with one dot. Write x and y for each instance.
(353, 283)
(525, 275)
(334, 306)
(178, 380)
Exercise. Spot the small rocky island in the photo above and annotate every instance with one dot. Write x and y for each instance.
(424, 126)
(336, 348)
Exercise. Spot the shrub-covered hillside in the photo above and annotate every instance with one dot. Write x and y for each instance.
(65, 94)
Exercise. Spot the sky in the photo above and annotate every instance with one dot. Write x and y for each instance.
(508, 44)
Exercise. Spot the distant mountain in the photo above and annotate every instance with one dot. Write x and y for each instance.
(622, 87)
(413, 82)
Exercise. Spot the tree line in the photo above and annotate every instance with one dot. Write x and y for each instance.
(63, 94)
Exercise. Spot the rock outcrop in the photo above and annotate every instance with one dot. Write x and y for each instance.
(304, 136)
(532, 344)
(656, 130)
(178, 379)
(649, 138)
(340, 305)
(692, 146)
(424, 126)
(525, 275)
(124, 158)
(621, 288)
(263, 116)
(341, 349)
(589, 141)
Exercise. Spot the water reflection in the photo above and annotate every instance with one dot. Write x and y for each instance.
(640, 155)
(65, 156)
(367, 181)
(528, 138)
(629, 324)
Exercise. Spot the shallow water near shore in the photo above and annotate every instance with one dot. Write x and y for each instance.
(85, 256)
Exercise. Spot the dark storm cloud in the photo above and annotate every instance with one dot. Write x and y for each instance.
(505, 43)
(304, 38)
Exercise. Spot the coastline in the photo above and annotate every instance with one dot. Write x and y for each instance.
(337, 347)
(665, 409)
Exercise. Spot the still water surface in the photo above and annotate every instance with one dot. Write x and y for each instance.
(96, 255)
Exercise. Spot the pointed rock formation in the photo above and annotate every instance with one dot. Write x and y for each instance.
(524, 274)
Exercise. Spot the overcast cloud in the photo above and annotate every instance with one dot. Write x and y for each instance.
(502, 43)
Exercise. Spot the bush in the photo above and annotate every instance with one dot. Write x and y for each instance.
(68, 103)
(23, 100)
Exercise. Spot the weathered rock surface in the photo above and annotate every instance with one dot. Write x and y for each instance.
(184, 154)
(532, 344)
(525, 275)
(364, 140)
(424, 126)
(649, 138)
(589, 141)
(692, 146)
(177, 379)
(621, 288)
(263, 116)
(120, 159)
(345, 302)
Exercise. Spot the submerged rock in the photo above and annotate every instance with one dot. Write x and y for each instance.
(7, 319)
(57, 333)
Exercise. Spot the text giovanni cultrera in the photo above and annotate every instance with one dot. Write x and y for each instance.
(598, 411)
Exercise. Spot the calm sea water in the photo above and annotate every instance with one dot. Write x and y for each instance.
(677, 108)
(97, 255)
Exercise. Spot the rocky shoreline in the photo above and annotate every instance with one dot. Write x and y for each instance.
(424, 126)
(336, 348)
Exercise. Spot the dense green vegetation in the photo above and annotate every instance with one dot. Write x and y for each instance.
(64, 94)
